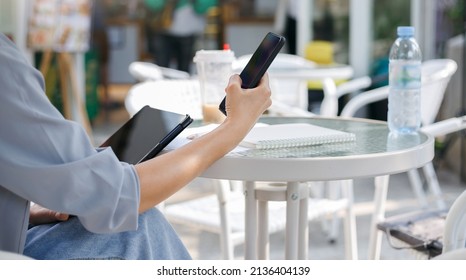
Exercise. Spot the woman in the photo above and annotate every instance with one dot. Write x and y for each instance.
(176, 42)
(108, 205)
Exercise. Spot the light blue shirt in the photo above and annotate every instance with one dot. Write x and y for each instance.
(49, 160)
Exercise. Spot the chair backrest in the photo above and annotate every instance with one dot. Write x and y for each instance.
(291, 90)
(179, 96)
(145, 71)
(283, 60)
(436, 74)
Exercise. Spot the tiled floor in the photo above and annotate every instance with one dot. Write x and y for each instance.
(205, 245)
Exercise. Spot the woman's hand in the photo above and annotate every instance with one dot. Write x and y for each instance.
(245, 106)
(165, 174)
(40, 215)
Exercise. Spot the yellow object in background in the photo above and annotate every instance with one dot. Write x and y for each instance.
(320, 52)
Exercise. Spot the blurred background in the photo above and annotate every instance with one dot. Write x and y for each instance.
(116, 33)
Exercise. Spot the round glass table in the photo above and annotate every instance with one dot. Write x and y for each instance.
(374, 153)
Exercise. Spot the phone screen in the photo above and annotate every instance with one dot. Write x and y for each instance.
(259, 59)
(258, 63)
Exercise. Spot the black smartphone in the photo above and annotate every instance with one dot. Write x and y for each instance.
(146, 134)
(259, 62)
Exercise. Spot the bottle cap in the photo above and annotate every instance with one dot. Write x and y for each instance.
(405, 31)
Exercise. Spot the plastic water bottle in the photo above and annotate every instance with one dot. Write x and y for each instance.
(404, 99)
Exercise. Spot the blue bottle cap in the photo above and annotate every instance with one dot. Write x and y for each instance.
(405, 31)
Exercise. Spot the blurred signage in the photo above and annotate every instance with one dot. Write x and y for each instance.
(60, 25)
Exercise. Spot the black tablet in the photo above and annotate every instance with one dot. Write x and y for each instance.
(146, 134)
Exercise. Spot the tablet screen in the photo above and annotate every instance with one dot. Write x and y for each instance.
(146, 134)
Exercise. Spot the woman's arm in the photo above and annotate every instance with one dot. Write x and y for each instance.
(166, 174)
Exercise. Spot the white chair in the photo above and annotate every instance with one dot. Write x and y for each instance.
(289, 77)
(436, 74)
(222, 212)
(146, 71)
(448, 230)
(179, 96)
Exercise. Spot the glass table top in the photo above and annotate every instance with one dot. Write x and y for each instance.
(371, 137)
(374, 152)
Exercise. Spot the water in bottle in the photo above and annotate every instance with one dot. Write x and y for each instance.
(404, 100)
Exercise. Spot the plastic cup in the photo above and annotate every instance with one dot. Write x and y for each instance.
(214, 68)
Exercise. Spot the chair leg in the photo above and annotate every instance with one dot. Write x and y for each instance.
(327, 189)
(380, 197)
(416, 184)
(334, 193)
(292, 213)
(434, 187)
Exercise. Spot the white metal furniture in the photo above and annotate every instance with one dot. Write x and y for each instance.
(369, 156)
(219, 212)
(435, 77)
(180, 96)
(289, 77)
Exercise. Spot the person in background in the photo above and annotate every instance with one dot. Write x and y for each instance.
(176, 43)
(88, 204)
(100, 44)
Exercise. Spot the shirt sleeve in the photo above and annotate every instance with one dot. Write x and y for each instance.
(49, 160)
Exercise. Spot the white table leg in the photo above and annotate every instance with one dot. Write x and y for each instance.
(250, 225)
(303, 233)
(263, 230)
(223, 190)
(351, 240)
(380, 197)
(292, 214)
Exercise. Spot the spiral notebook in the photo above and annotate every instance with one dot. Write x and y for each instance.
(293, 135)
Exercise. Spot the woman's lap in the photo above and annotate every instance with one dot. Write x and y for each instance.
(154, 239)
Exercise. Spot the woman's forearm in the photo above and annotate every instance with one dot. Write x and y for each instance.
(166, 174)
